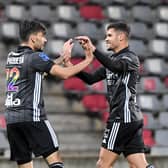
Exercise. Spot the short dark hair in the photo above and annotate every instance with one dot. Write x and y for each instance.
(120, 26)
(27, 27)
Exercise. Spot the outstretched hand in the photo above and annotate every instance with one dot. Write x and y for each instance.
(86, 43)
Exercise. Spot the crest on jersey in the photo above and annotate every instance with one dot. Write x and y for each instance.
(44, 56)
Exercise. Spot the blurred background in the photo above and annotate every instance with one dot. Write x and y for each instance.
(78, 112)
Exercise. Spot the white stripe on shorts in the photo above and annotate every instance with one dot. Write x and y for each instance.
(113, 135)
(52, 133)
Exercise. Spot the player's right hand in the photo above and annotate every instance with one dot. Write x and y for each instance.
(85, 43)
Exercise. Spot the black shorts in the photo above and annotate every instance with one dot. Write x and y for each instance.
(124, 138)
(26, 138)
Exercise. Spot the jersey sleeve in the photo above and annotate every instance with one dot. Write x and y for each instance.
(109, 63)
(91, 78)
(117, 64)
(41, 62)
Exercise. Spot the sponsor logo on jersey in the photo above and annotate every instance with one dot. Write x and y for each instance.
(11, 101)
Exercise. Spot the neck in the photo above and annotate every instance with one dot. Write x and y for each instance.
(27, 44)
(119, 48)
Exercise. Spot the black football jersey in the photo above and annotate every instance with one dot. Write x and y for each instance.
(24, 93)
(121, 73)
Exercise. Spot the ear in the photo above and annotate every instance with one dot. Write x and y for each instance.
(32, 38)
(121, 36)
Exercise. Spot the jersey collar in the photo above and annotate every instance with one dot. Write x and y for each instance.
(23, 48)
(121, 51)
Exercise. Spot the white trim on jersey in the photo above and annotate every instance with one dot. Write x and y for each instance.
(36, 97)
(52, 133)
(14, 53)
(127, 114)
(113, 135)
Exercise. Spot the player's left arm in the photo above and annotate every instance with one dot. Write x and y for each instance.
(113, 64)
